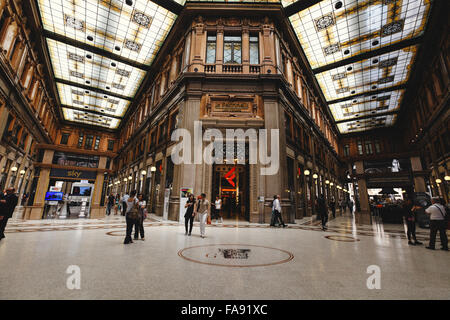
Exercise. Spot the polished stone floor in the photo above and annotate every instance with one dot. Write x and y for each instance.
(236, 260)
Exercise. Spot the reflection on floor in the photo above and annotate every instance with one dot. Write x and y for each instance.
(235, 261)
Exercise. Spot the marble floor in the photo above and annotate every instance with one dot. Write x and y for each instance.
(237, 260)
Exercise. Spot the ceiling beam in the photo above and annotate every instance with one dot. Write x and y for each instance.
(374, 115)
(170, 5)
(99, 51)
(370, 54)
(77, 124)
(368, 93)
(91, 111)
(299, 6)
(83, 86)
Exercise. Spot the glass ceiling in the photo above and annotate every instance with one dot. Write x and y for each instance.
(332, 31)
(134, 32)
(97, 88)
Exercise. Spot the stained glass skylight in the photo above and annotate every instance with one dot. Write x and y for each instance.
(134, 31)
(89, 100)
(90, 118)
(367, 105)
(378, 72)
(333, 30)
(367, 124)
(79, 66)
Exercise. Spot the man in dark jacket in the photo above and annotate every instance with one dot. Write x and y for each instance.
(322, 211)
(7, 205)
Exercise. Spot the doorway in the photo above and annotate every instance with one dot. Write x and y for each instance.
(230, 184)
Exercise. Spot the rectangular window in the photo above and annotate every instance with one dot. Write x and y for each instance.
(360, 148)
(232, 49)
(65, 138)
(346, 150)
(80, 140)
(88, 143)
(254, 50)
(110, 145)
(377, 146)
(211, 49)
(369, 149)
(97, 143)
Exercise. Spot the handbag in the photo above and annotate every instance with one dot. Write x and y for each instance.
(134, 212)
(208, 220)
(445, 216)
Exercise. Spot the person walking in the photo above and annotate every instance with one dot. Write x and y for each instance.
(109, 204)
(203, 209)
(322, 211)
(190, 214)
(437, 223)
(333, 207)
(410, 211)
(343, 206)
(350, 205)
(117, 203)
(8, 203)
(124, 203)
(276, 211)
(131, 215)
(139, 226)
(217, 208)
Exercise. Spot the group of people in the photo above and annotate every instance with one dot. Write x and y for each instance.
(202, 208)
(135, 214)
(438, 222)
(117, 203)
(8, 202)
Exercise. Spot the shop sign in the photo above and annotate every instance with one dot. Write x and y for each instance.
(74, 174)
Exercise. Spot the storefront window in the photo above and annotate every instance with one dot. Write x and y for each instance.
(75, 160)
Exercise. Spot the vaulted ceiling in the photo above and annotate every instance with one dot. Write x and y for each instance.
(361, 52)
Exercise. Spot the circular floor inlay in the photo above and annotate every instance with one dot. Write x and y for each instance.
(342, 238)
(235, 255)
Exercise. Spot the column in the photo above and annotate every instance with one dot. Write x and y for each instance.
(419, 181)
(219, 49)
(198, 45)
(363, 216)
(245, 50)
(268, 44)
(37, 209)
(98, 211)
(277, 183)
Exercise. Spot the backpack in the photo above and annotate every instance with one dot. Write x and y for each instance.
(134, 211)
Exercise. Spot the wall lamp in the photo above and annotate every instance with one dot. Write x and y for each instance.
(153, 169)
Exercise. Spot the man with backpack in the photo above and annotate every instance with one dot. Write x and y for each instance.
(438, 222)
